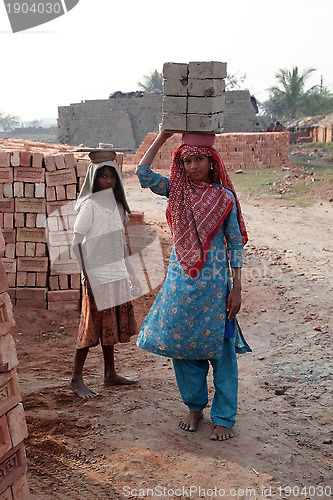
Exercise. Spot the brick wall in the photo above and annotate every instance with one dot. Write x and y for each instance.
(240, 150)
(13, 429)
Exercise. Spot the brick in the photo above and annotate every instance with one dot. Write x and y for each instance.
(71, 192)
(40, 249)
(81, 168)
(174, 87)
(6, 175)
(70, 161)
(60, 193)
(11, 280)
(29, 190)
(64, 296)
(12, 466)
(21, 278)
(12, 294)
(20, 249)
(31, 293)
(54, 283)
(3, 278)
(60, 178)
(66, 267)
(7, 190)
(15, 159)
(19, 219)
(203, 123)
(23, 174)
(8, 354)
(4, 159)
(7, 205)
(10, 251)
(9, 235)
(30, 220)
(174, 122)
(60, 238)
(40, 190)
(50, 163)
(41, 220)
(30, 249)
(50, 194)
(10, 394)
(37, 160)
(28, 205)
(206, 88)
(29, 264)
(31, 279)
(75, 281)
(63, 306)
(5, 441)
(17, 425)
(206, 105)
(175, 71)
(20, 488)
(59, 161)
(2, 242)
(207, 69)
(9, 265)
(41, 280)
(36, 235)
(63, 282)
(8, 221)
(174, 105)
(25, 158)
(7, 494)
(18, 189)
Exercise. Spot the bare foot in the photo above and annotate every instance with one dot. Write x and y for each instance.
(116, 379)
(221, 433)
(190, 422)
(81, 390)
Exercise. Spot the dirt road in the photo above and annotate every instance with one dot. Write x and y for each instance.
(127, 444)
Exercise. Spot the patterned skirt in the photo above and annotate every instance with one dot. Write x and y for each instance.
(109, 326)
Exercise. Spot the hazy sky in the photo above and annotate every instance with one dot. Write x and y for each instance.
(104, 45)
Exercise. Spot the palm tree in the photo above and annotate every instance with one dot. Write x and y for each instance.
(152, 82)
(287, 98)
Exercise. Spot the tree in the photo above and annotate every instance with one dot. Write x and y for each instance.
(287, 99)
(7, 122)
(154, 81)
(235, 81)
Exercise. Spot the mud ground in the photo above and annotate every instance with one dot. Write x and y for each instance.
(126, 443)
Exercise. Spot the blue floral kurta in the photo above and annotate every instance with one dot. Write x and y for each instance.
(188, 318)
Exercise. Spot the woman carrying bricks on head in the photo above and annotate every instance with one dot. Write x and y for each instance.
(99, 243)
(193, 319)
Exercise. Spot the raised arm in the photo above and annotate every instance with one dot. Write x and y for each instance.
(149, 179)
(151, 152)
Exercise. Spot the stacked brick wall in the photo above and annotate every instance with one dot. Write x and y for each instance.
(13, 429)
(39, 184)
(239, 151)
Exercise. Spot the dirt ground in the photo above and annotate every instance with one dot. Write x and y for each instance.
(126, 443)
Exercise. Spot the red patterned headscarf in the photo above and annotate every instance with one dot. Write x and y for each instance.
(197, 210)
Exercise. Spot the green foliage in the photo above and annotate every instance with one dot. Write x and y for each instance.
(152, 82)
(289, 100)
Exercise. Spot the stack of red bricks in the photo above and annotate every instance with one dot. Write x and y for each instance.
(38, 187)
(238, 150)
(13, 429)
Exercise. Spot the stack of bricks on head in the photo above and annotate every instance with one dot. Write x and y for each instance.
(13, 429)
(193, 96)
(39, 184)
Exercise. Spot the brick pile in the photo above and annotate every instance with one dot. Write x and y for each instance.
(38, 187)
(238, 150)
(194, 96)
(13, 429)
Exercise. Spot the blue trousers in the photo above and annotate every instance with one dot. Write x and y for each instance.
(191, 376)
